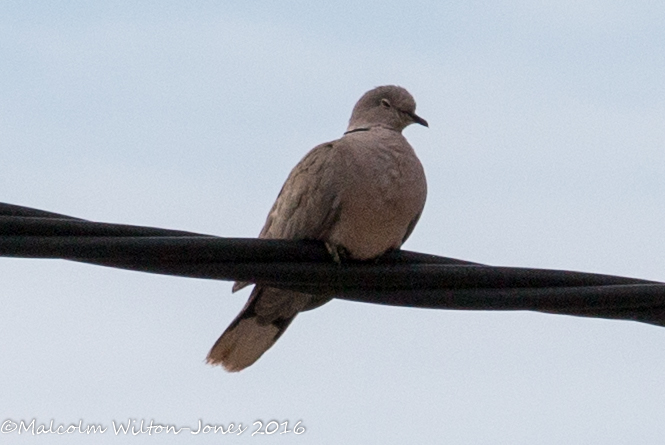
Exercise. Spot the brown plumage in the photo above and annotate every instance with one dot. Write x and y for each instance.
(361, 194)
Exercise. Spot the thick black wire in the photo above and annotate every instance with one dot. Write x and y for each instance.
(400, 278)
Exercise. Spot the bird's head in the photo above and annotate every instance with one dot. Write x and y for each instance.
(388, 106)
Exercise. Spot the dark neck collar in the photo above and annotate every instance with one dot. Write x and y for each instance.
(355, 130)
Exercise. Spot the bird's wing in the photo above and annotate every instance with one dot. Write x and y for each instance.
(412, 225)
(308, 205)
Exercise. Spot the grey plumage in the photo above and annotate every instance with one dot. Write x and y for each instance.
(361, 194)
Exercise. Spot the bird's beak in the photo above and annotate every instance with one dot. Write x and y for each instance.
(418, 120)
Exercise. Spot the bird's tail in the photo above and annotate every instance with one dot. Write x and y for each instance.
(259, 325)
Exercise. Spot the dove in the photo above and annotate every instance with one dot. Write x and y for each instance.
(362, 195)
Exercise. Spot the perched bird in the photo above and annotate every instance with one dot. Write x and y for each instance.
(361, 194)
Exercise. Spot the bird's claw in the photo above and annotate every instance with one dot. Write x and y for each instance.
(337, 252)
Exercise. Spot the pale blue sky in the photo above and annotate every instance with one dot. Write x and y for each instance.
(546, 148)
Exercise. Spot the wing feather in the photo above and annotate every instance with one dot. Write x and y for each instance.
(308, 205)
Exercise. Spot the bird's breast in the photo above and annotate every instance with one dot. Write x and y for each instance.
(383, 191)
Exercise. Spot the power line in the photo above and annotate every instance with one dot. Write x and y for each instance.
(399, 278)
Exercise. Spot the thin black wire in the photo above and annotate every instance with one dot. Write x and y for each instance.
(400, 278)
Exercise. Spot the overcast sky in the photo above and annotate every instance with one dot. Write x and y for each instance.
(546, 148)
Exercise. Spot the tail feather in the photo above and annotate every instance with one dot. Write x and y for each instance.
(262, 321)
(243, 344)
(239, 285)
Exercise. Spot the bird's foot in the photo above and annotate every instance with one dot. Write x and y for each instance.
(338, 253)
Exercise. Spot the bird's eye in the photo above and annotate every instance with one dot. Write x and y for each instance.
(385, 103)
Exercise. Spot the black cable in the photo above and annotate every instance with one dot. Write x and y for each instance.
(399, 278)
